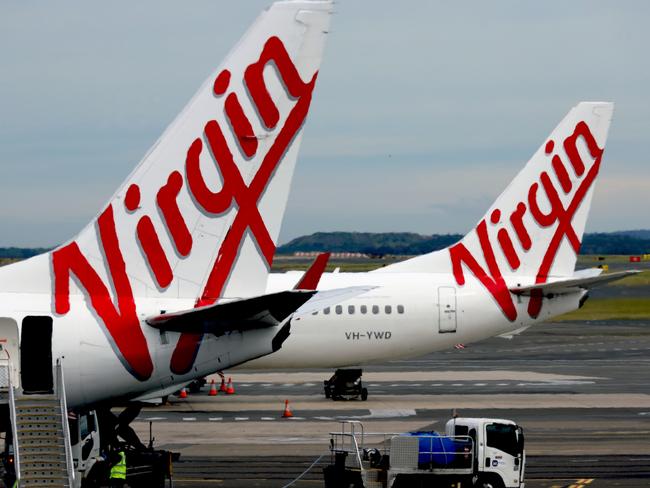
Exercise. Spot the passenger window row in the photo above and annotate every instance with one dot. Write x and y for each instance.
(363, 309)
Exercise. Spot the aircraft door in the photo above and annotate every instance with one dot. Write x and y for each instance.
(36, 354)
(447, 319)
(9, 352)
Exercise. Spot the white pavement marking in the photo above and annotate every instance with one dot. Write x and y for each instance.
(215, 419)
(240, 419)
(268, 418)
(323, 418)
(153, 419)
(376, 413)
(479, 384)
(296, 418)
(189, 419)
(288, 384)
(309, 384)
(457, 384)
(503, 384)
(419, 376)
(436, 384)
(243, 385)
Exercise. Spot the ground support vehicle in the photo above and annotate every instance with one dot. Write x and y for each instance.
(345, 384)
(94, 455)
(472, 452)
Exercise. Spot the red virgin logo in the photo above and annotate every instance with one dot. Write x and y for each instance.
(559, 216)
(120, 320)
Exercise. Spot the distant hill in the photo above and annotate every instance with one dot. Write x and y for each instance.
(20, 252)
(369, 243)
(405, 243)
(409, 243)
(616, 243)
(637, 234)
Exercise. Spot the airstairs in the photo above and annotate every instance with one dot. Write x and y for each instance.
(40, 433)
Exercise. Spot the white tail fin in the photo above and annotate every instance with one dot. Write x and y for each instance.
(534, 229)
(200, 215)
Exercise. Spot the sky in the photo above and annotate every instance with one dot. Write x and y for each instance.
(423, 111)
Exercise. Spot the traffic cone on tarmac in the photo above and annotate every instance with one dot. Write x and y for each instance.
(213, 389)
(223, 385)
(230, 390)
(183, 393)
(287, 410)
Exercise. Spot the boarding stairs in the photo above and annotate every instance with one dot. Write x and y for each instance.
(40, 432)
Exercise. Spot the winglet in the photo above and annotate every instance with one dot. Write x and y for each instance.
(312, 276)
(581, 280)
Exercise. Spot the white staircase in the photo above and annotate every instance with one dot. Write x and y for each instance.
(42, 452)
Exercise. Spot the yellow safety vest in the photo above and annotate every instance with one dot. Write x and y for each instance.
(118, 472)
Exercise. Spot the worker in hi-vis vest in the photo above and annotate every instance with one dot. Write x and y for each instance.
(118, 471)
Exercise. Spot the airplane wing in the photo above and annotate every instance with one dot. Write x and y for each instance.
(580, 281)
(244, 314)
(252, 313)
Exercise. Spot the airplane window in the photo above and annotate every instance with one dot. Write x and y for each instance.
(363, 309)
(400, 309)
(315, 313)
(388, 309)
(350, 309)
(326, 311)
(339, 309)
(375, 309)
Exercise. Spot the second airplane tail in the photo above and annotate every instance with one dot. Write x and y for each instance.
(534, 229)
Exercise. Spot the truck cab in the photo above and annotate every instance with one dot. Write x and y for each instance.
(500, 457)
(84, 440)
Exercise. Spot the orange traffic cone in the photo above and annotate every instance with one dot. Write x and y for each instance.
(223, 385)
(287, 410)
(213, 389)
(183, 393)
(230, 390)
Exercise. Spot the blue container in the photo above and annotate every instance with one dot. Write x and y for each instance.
(437, 451)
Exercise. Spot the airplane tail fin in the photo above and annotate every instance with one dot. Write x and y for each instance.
(200, 215)
(534, 228)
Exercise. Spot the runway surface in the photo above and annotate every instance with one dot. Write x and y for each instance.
(580, 390)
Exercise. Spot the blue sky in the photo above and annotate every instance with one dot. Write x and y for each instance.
(423, 111)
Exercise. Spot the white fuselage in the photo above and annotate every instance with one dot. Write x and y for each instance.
(92, 368)
(406, 315)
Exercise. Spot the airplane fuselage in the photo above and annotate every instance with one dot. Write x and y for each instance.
(406, 315)
(92, 369)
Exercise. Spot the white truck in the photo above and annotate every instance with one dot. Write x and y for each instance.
(472, 452)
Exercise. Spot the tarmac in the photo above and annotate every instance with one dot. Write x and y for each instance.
(580, 391)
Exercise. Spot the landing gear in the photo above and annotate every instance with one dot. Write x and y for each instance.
(113, 426)
(196, 385)
(345, 384)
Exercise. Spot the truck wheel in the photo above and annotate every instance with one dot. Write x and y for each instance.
(490, 482)
(364, 394)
